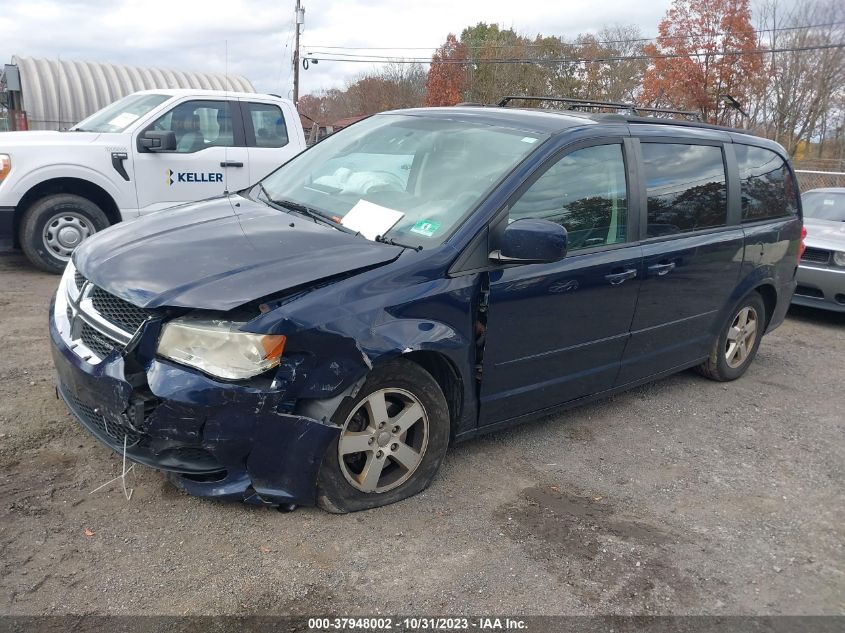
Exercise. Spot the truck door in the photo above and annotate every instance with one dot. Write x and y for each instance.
(270, 138)
(210, 155)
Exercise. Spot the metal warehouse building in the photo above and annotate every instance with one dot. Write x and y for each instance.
(47, 94)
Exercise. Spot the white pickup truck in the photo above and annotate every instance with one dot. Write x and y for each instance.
(149, 151)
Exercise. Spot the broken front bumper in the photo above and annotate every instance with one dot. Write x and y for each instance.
(215, 439)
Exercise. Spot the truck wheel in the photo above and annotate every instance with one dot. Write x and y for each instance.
(53, 226)
(394, 435)
(738, 341)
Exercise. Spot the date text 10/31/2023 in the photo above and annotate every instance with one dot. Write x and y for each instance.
(417, 624)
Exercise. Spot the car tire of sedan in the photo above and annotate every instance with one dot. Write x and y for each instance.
(738, 341)
(53, 226)
(394, 435)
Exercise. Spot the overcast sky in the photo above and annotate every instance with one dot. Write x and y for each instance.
(194, 34)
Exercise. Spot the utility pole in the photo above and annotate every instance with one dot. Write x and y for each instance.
(299, 19)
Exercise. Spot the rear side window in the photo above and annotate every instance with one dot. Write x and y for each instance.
(767, 187)
(268, 124)
(686, 187)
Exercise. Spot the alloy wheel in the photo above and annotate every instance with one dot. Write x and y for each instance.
(383, 440)
(741, 337)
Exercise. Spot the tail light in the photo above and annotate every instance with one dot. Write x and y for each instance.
(801, 245)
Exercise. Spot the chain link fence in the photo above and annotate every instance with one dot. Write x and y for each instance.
(815, 179)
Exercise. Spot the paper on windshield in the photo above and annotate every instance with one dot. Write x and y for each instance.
(123, 119)
(370, 219)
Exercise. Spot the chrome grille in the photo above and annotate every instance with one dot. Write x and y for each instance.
(97, 342)
(98, 321)
(119, 312)
(816, 256)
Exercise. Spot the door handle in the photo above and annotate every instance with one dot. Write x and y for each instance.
(231, 163)
(661, 269)
(617, 278)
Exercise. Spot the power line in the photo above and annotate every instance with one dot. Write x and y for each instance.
(583, 60)
(535, 45)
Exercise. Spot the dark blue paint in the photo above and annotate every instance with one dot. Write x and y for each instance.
(532, 240)
(218, 255)
(556, 332)
(686, 282)
(544, 335)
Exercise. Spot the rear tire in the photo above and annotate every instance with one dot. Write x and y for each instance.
(53, 226)
(738, 342)
(399, 420)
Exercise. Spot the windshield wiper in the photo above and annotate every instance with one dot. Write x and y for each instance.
(389, 240)
(319, 216)
(314, 214)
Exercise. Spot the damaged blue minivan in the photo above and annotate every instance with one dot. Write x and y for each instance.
(414, 280)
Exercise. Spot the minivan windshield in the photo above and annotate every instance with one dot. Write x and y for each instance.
(121, 114)
(412, 178)
(824, 205)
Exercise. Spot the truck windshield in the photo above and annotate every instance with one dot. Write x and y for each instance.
(411, 177)
(121, 114)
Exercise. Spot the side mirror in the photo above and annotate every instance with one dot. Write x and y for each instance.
(157, 141)
(531, 241)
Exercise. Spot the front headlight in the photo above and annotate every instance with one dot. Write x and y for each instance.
(839, 258)
(217, 347)
(5, 166)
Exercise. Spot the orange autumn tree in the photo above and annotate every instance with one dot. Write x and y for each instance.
(705, 49)
(445, 83)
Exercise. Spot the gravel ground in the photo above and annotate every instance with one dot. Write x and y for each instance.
(681, 497)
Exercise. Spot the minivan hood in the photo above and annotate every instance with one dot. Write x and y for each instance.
(220, 254)
(826, 234)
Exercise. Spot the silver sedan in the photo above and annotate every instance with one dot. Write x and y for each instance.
(821, 272)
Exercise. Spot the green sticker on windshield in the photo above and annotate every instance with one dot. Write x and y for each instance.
(425, 227)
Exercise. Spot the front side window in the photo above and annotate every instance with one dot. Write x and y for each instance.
(198, 124)
(268, 124)
(686, 187)
(121, 114)
(585, 192)
(425, 173)
(766, 184)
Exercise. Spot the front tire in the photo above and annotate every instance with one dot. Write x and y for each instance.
(738, 342)
(394, 436)
(53, 226)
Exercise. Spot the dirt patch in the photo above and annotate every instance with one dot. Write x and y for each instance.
(565, 513)
(591, 548)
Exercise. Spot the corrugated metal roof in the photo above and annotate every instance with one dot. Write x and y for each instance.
(60, 93)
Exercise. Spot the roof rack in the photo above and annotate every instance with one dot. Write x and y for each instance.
(629, 108)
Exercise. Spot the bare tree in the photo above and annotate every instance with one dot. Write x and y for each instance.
(795, 102)
(613, 79)
(389, 87)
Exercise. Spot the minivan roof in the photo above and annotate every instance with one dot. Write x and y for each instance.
(529, 119)
(551, 121)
